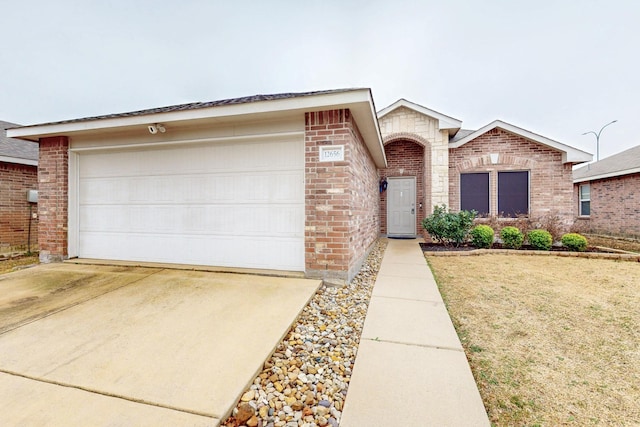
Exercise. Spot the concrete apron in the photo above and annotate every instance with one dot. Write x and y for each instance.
(136, 346)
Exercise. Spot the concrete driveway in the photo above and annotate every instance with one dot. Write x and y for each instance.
(117, 345)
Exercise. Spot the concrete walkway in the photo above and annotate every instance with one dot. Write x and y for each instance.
(410, 369)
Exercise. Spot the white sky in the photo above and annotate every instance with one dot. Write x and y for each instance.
(555, 67)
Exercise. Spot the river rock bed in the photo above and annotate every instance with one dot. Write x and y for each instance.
(305, 381)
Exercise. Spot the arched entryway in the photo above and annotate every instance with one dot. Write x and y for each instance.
(403, 203)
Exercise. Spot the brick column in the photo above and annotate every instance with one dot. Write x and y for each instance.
(326, 196)
(341, 197)
(53, 172)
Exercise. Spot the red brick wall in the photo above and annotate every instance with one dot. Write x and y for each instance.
(364, 201)
(53, 168)
(615, 206)
(341, 197)
(550, 181)
(409, 156)
(15, 180)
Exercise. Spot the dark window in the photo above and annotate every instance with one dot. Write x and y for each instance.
(513, 193)
(474, 192)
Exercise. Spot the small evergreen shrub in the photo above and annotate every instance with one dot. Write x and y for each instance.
(540, 239)
(511, 237)
(482, 236)
(449, 227)
(575, 242)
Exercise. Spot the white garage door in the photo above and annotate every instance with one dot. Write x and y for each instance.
(235, 204)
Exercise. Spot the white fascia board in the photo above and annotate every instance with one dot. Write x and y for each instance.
(569, 154)
(444, 122)
(607, 175)
(18, 160)
(359, 101)
(367, 121)
(307, 103)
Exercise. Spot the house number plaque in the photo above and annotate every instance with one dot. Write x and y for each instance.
(332, 153)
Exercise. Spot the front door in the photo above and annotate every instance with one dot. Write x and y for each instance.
(401, 206)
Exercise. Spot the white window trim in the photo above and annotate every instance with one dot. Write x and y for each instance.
(581, 200)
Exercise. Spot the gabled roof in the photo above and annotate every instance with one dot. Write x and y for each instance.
(624, 163)
(444, 121)
(198, 106)
(569, 154)
(359, 101)
(15, 150)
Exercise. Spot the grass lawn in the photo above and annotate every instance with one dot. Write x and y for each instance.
(551, 340)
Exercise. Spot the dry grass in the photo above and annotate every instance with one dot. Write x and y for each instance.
(551, 341)
(14, 263)
(611, 242)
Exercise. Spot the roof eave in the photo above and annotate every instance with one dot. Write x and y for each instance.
(607, 175)
(444, 122)
(569, 154)
(18, 160)
(359, 101)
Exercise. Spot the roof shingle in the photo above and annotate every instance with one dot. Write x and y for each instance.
(16, 148)
(614, 165)
(199, 105)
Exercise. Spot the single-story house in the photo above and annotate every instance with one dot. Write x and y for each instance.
(18, 175)
(607, 195)
(498, 170)
(298, 181)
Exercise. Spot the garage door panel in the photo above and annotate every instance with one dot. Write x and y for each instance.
(279, 221)
(257, 252)
(212, 205)
(245, 187)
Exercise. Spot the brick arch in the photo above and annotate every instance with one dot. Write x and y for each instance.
(482, 162)
(407, 136)
(412, 154)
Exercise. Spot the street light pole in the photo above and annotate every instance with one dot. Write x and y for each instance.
(598, 138)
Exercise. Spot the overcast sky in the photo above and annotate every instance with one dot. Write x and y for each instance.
(555, 67)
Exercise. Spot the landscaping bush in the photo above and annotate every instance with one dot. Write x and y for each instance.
(575, 242)
(540, 239)
(482, 236)
(511, 237)
(449, 227)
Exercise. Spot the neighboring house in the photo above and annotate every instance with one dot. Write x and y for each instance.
(301, 182)
(18, 174)
(499, 170)
(607, 195)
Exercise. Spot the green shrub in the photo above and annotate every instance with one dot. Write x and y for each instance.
(511, 237)
(575, 242)
(449, 227)
(540, 239)
(482, 236)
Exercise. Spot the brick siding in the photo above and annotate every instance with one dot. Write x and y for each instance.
(341, 199)
(551, 183)
(53, 169)
(409, 156)
(15, 180)
(615, 206)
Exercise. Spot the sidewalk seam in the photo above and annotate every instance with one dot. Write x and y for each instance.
(408, 299)
(61, 309)
(436, 347)
(107, 394)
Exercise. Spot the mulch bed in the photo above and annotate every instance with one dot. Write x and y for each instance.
(440, 247)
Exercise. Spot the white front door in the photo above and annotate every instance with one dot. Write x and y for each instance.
(401, 206)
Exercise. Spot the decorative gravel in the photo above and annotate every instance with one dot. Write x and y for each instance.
(305, 381)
